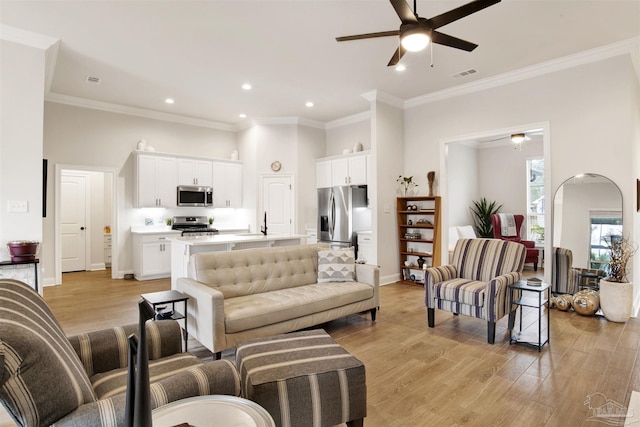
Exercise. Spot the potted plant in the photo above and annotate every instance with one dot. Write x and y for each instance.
(406, 182)
(616, 292)
(482, 211)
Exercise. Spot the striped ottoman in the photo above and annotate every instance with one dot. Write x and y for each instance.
(303, 379)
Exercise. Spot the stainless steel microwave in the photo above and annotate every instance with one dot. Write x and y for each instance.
(195, 196)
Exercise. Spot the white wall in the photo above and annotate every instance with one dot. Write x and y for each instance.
(462, 173)
(85, 137)
(590, 110)
(387, 151)
(21, 127)
(311, 146)
(347, 135)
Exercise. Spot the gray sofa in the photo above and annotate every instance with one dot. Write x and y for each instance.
(239, 295)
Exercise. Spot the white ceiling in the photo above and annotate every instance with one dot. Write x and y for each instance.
(201, 52)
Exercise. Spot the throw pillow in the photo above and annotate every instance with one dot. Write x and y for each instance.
(336, 265)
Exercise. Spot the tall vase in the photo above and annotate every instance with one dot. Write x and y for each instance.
(431, 193)
(616, 300)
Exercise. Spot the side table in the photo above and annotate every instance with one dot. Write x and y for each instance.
(156, 299)
(214, 410)
(15, 264)
(520, 294)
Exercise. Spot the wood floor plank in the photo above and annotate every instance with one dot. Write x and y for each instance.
(416, 375)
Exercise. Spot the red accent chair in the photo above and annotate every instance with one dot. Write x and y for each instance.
(532, 251)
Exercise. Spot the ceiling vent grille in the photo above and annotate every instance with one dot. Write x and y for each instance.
(464, 73)
(93, 80)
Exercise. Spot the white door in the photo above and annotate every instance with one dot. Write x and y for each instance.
(277, 194)
(73, 222)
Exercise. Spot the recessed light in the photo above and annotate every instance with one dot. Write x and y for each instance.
(309, 104)
(169, 101)
(246, 86)
(242, 115)
(400, 67)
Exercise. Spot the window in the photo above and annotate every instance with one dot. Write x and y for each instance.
(535, 199)
(605, 227)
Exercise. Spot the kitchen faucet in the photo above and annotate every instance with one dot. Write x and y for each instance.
(263, 228)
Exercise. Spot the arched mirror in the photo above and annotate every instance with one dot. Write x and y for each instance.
(587, 213)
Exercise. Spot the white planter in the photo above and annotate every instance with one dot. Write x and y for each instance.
(616, 300)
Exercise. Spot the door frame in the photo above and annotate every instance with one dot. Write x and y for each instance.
(293, 228)
(548, 193)
(114, 216)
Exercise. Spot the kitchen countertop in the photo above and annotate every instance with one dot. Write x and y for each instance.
(154, 229)
(235, 238)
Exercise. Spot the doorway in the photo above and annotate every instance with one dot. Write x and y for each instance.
(85, 219)
(462, 176)
(277, 203)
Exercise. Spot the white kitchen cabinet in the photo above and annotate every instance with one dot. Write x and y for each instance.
(156, 181)
(195, 172)
(152, 256)
(227, 185)
(323, 174)
(342, 170)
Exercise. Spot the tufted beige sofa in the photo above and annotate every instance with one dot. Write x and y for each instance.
(239, 295)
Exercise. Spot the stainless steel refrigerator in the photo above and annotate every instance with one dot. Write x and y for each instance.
(342, 211)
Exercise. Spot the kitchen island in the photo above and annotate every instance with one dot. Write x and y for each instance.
(183, 247)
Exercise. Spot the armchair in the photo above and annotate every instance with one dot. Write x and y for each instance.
(47, 378)
(477, 282)
(532, 251)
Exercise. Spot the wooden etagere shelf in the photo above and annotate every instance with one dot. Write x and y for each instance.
(418, 236)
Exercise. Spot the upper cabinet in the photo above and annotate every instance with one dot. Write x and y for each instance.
(342, 170)
(195, 172)
(227, 185)
(156, 181)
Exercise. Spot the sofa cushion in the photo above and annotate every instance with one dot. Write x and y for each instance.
(43, 378)
(254, 311)
(253, 271)
(336, 265)
(471, 292)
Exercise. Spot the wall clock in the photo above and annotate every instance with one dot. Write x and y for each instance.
(276, 166)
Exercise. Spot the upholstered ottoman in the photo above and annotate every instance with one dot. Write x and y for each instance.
(303, 379)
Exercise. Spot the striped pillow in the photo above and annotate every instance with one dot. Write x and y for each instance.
(41, 377)
(336, 265)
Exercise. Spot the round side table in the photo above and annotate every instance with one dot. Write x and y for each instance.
(215, 410)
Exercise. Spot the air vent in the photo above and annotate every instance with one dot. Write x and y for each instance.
(93, 80)
(464, 73)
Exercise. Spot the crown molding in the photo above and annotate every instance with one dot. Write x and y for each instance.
(378, 95)
(623, 47)
(27, 38)
(349, 120)
(133, 111)
(292, 120)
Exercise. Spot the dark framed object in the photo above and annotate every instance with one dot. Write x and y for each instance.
(45, 169)
(638, 195)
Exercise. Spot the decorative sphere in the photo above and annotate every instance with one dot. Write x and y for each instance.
(586, 302)
(563, 302)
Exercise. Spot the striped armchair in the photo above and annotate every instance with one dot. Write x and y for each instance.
(476, 284)
(49, 379)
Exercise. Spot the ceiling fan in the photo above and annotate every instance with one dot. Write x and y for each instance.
(415, 32)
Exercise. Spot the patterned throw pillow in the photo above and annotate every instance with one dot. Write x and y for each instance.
(336, 265)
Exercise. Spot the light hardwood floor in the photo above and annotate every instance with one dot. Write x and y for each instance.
(420, 376)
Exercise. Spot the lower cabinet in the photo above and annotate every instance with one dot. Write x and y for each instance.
(151, 256)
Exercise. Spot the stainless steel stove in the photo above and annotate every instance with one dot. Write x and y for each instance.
(193, 226)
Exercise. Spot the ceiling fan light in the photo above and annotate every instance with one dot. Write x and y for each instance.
(517, 138)
(414, 41)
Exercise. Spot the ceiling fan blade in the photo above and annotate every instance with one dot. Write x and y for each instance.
(459, 12)
(397, 55)
(404, 11)
(447, 40)
(368, 36)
